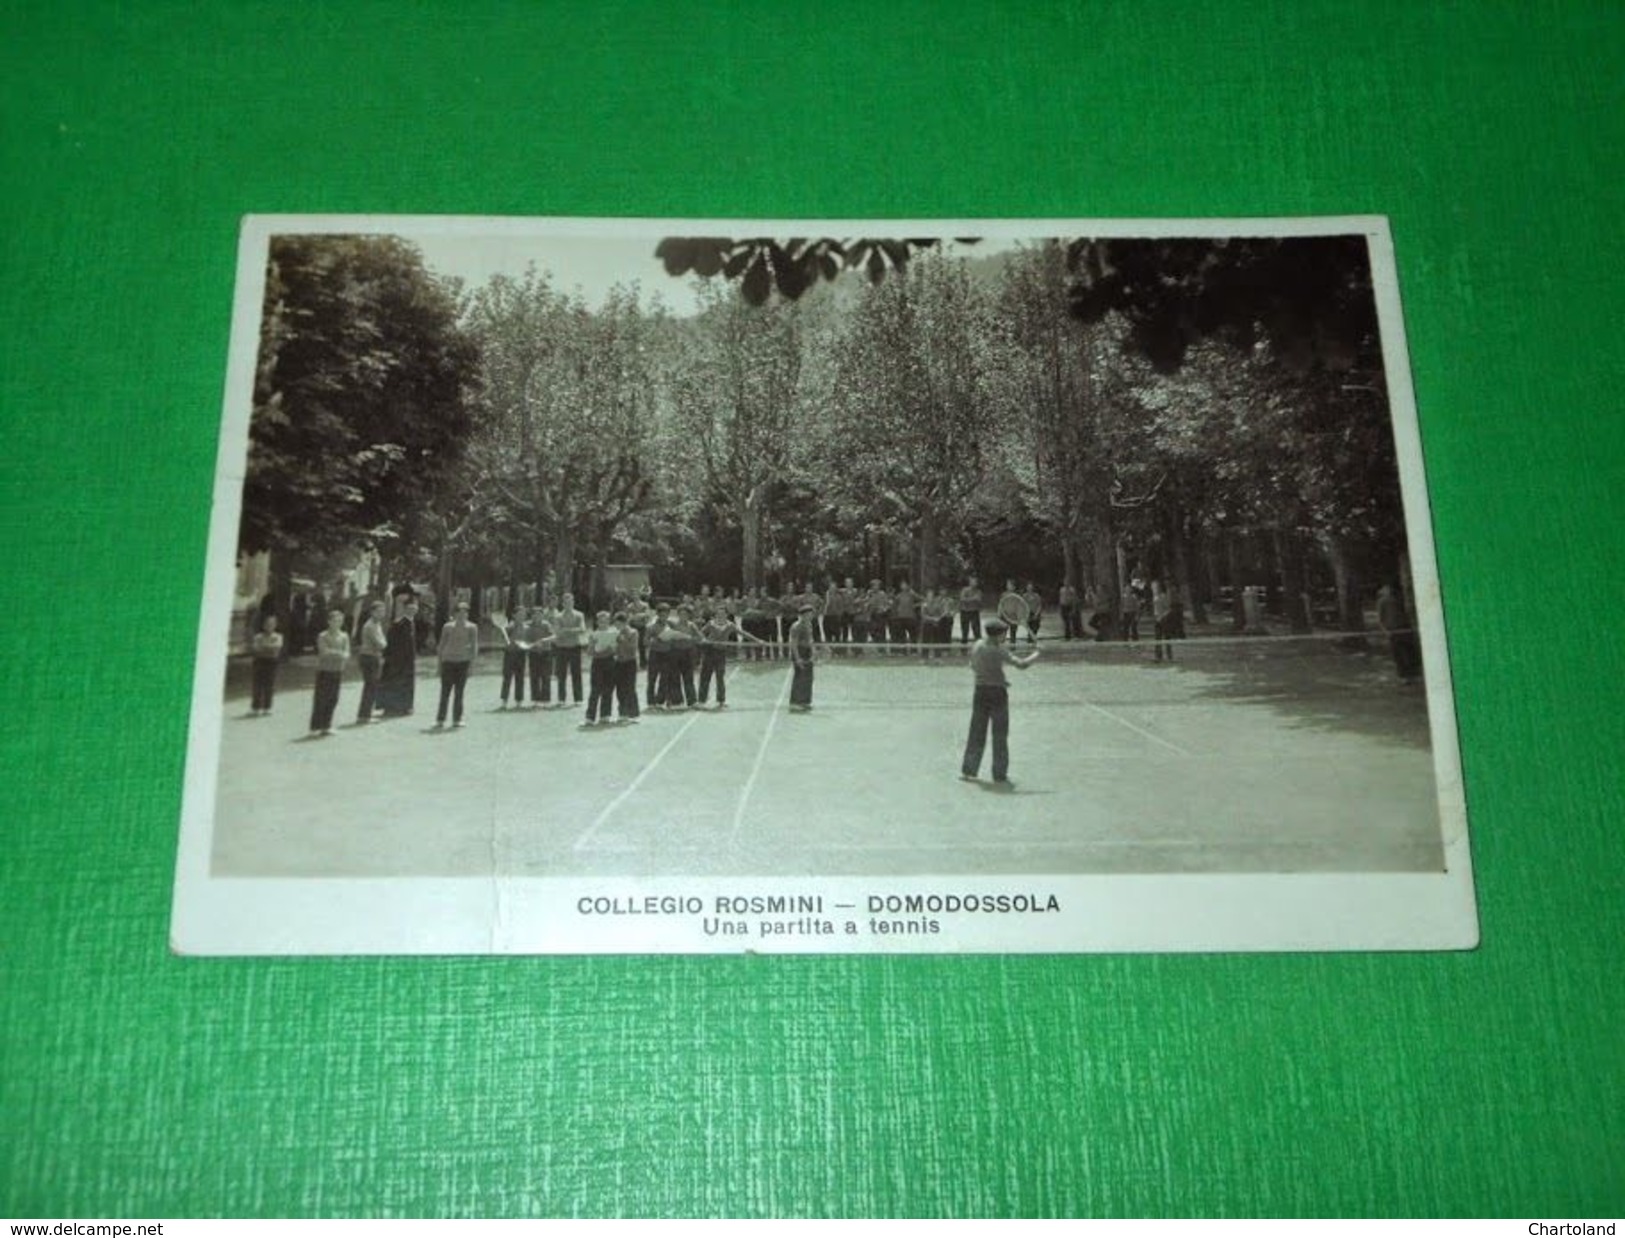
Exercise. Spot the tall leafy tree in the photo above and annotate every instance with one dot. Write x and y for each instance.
(907, 437)
(568, 415)
(1295, 319)
(1077, 431)
(362, 394)
(736, 394)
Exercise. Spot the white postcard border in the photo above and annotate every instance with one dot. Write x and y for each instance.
(1092, 913)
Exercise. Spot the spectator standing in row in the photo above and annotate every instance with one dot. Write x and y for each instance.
(659, 659)
(515, 657)
(877, 613)
(905, 608)
(628, 642)
(1161, 613)
(1131, 611)
(603, 642)
(683, 639)
(374, 641)
(569, 635)
(538, 632)
(970, 611)
(1035, 611)
(1071, 614)
(935, 608)
(640, 614)
(459, 645)
(332, 655)
(838, 612)
(267, 648)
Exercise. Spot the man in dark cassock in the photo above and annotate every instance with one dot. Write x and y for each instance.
(397, 681)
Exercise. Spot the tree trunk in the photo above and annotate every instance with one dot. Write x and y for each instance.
(1350, 610)
(1294, 580)
(281, 601)
(1232, 567)
(750, 522)
(1179, 564)
(564, 563)
(1072, 560)
(929, 537)
(1108, 597)
(1201, 559)
(539, 565)
(442, 588)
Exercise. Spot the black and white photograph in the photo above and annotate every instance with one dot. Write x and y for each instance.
(584, 586)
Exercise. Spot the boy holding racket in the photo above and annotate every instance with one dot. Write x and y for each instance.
(990, 704)
(515, 656)
(715, 637)
(602, 644)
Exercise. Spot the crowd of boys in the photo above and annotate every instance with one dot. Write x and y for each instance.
(682, 649)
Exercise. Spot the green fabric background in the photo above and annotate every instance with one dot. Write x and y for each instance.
(134, 1083)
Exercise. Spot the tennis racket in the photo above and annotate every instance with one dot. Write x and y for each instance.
(502, 623)
(757, 640)
(1013, 610)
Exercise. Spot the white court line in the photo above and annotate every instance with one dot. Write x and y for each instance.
(1157, 739)
(750, 783)
(581, 843)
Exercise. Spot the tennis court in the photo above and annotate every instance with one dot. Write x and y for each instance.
(1259, 755)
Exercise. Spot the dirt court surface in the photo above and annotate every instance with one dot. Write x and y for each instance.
(1259, 756)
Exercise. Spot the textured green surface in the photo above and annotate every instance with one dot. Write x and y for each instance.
(135, 135)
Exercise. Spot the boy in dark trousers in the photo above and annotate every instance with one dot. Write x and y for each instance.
(459, 646)
(267, 653)
(990, 704)
(715, 638)
(628, 640)
(801, 660)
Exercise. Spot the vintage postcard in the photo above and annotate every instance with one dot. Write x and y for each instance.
(588, 586)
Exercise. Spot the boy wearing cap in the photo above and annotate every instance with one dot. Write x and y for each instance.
(459, 646)
(801, 661)
(990, 703)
